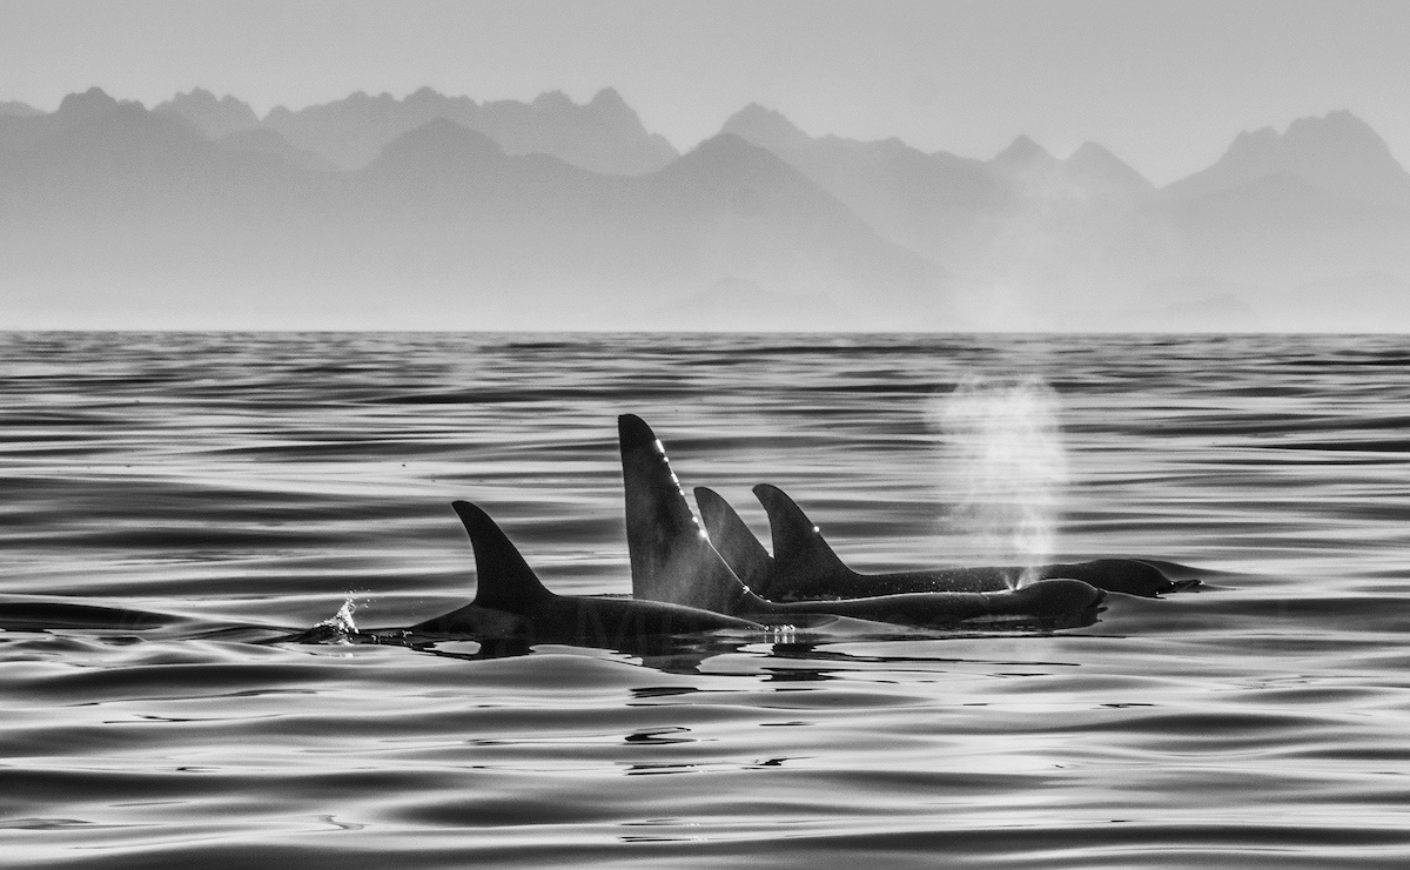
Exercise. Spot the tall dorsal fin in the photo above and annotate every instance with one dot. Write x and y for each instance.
(733, 540)
(672, 558)
(504, 581)
(799, 548)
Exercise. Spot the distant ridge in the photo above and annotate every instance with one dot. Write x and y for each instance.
(261, 140)
(921, 201)
(1023, 155)
(1097, 167)
(217, 118)
(603, 135)
(1051, 243)
(16, 109)
(22, 131)
(524, 215)
(108, 135)
(1337, 151)
(438, 147)
(130, 212)
(766, 128)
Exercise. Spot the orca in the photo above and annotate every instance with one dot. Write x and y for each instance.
(804, 565)
(511, 603)
(673, 560)
(512, 611)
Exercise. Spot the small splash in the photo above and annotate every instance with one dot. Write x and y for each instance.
(340, 627)
(1006, 462)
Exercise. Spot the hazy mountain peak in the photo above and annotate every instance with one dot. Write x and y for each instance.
(425, 92)
(1336, 118)
(766, 128)
(605, 135)
(608, 98)
(1091, 152)
(21, 130)
(364, 97)
(437, 145)
(1024, 153)
(217, 118)
(1352, 137)
(16, 109)
(94, 101)
(551, 100)
(1338, 152)
(1093, 163)
(1260, 138)
(263, 140)
(128, 129)
(195, 97)
(443, 130)
(729, 157)
(728, 145)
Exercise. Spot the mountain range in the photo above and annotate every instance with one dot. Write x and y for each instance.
(441, 212)
(603, 135)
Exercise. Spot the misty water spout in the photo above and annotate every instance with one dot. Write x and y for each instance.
(1005, 467)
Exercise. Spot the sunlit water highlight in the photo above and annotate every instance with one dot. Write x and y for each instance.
(239, 485)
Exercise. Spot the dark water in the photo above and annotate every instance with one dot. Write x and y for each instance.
(237, 482)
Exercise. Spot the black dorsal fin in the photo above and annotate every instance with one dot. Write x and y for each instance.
(504, 581)
(672, 558)
(734, 541)
(799, 547)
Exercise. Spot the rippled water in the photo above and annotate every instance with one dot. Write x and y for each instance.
(215, 490)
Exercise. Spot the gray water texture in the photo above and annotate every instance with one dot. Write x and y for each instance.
(266, 480)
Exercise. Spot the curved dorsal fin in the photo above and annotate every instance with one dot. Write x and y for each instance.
(799, 548)
(733, 540)
(504, 581)
(672, 558)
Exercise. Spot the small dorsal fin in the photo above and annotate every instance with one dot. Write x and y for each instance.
(672, 558)
(799, 548)
(504, 581)
(734, 541)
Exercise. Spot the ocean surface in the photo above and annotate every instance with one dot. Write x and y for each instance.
(173, 505)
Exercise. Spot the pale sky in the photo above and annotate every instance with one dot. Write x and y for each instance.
(1165, 84)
